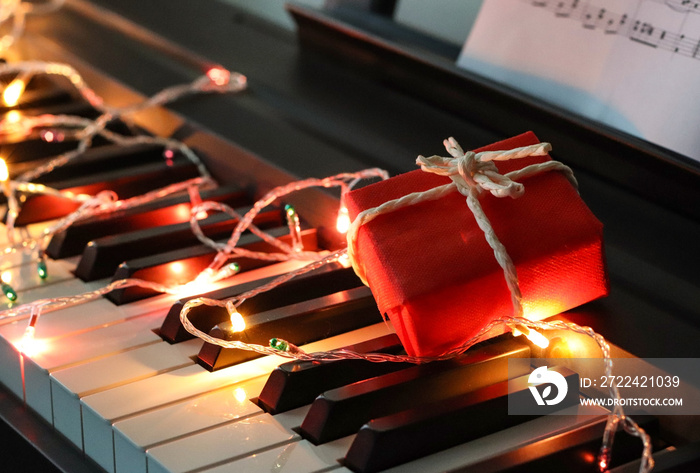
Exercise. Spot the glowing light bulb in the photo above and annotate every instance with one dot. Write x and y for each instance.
(27, 339)
(538, 339)
(51, 136)
(343, 222)
(533, 335)
(219, 76)
(4, 171)
(13, 116)
(8, 291)
(344, 261)
(13, 92)
(237, 322)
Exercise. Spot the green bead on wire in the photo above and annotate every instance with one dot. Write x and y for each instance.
(8, 291)
(279, 344)
(42, 270)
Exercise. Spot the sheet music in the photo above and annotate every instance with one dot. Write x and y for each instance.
(632, 64)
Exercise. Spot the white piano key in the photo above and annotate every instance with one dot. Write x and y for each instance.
(133, 436)
(16, 258)
(89, 316)
(71, 384)
(68, 287)
(291, 458)
(61, 323)
(227, 442)
(101, 410)
(27, 232)
(293, 419)
(69, 351)
(26, 276)
(295, 457)
(10, 373)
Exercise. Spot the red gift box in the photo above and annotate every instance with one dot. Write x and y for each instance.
(434, 275)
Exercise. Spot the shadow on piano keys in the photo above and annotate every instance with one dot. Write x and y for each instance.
(105, 382)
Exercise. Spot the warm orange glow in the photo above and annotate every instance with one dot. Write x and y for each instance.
(198, 286)
(13, 116)
(533, 335)
(237, 322)
(4, 172)
(603, 464)
(219, 75)
(183, 212)
(177, 267)
(344, 261)
(13, 92)
(240, 395)
(343, 223)
(538, 339)
(29, 345)
(540, 309)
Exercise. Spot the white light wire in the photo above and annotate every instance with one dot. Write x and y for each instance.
(469, 172)
(14, 12)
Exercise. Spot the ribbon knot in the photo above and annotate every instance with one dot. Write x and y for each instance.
(475, 172)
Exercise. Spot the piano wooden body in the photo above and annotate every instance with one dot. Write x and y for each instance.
(349, 90)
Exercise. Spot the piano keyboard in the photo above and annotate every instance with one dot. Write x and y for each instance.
(104, 379)
(100, 374)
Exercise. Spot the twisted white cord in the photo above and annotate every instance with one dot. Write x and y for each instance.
(84, 130)
(470, 174)
(15, 11)
(217, 80)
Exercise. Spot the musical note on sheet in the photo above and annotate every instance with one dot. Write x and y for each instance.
(630, 64)
(643, 32)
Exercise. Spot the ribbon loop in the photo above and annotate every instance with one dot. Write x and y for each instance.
(475, 172)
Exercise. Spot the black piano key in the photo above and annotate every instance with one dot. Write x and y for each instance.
(342, 411)
(298, 323)
(205, 318)
(105, 158)
(577, 449)
(176, 209)
(127, 182)
(682, 459)
(392, 440)
(25, 153)
(297, 383)
(183, 265)
(102, 257)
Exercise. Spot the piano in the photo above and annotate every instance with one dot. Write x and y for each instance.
(347, 89)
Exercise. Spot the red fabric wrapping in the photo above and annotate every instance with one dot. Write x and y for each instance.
(434, 275)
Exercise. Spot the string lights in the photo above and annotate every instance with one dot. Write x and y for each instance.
(83, 131)
(13, 14)
(219, 80)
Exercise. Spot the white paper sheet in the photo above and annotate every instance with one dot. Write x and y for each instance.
(632, 64)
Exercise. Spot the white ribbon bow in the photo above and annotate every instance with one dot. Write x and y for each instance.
(476, 171)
